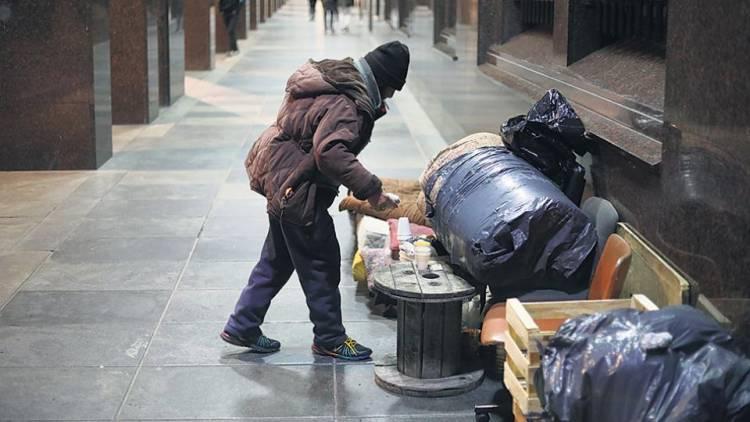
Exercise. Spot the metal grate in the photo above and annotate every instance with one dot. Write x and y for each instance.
(644, 20)
(538, 13)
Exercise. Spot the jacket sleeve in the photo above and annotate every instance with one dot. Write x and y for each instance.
(336, 133)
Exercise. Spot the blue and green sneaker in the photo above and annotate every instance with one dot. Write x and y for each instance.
(348, 350)
(260, 344)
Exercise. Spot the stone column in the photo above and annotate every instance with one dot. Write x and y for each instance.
(171, 51)
(222, 37)
(243, 21)
(55, 108)
(135, 61)
(200, 31)
(253, 19)
(487, 28)
(262, 10)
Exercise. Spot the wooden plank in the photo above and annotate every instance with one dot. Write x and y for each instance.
(514, 306)
(518, 415)
(401, 313)
(519, 359)
(432, 340)
(652, 274)
(451, 339)
(549, 316)
(572, 308)
(517, 389)
(412, 365)
(642, 303)
(520, 322)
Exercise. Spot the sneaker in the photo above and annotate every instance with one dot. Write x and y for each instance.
(348, 350)
(260, 344)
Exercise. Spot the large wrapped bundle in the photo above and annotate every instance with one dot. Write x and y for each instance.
(674, 364)
(508, 225)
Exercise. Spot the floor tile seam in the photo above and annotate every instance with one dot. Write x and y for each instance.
(166, 308)
(149, 236)
(237, 418)
(284, 321)
(131, 324)
(15, 243)
(177, 323)
(404, 416)
(174, 289)
(102, 290)
(48, 420)
(335, 392)
(18, 288)
(153, 335)
(47, 367)
(73, 229)
(235, 365)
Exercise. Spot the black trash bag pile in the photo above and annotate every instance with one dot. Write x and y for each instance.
(547, 138)
(675, 364)
(508, 225)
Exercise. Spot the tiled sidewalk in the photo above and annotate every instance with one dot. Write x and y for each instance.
(114, 284)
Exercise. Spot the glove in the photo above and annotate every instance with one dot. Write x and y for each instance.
(382, 202)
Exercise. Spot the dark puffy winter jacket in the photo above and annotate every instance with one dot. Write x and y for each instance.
(316, 137)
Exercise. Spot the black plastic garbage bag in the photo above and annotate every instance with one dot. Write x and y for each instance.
(508, 226)
(547, 138)
(675, 364)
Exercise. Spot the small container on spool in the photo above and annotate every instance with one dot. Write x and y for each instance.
(422, 254)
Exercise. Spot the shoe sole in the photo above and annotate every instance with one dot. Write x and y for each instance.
(252, 347)
(323, 352)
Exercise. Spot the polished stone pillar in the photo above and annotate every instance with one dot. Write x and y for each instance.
(135, 61)
(200, 32)
(262, 10)
(253, 10)
(488, 31)
(706, 180)
(243, 21)
(55, 109)
(222, 36)
(171, 51)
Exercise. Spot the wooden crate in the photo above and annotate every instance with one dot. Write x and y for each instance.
(533, 323)
(652, 274)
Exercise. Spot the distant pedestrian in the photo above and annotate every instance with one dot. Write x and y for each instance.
(230, 9)
(312, 9)
(346, 15)
(298, 164)
(330, 11)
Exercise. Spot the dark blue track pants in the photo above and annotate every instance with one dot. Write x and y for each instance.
(314, 253)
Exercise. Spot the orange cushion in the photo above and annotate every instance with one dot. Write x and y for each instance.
(494, 325)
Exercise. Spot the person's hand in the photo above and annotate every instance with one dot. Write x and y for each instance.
(382, 202)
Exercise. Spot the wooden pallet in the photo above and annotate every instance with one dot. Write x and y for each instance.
(530, 325)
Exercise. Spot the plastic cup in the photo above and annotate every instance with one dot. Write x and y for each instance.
(404, 230)
(422, 256)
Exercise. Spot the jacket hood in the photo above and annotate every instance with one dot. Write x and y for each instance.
(307, 81)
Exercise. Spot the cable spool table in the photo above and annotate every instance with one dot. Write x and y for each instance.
(428, 354)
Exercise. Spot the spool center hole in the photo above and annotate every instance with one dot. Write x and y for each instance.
(431, 276)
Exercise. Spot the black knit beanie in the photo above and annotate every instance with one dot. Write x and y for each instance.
(389, 64)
